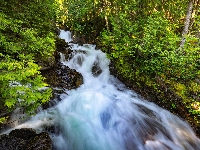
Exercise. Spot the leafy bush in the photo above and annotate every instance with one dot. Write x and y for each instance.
(26, 35)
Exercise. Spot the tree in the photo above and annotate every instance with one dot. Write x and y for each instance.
(26, 35)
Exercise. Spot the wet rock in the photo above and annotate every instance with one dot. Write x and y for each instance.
(79, 39)
(25, 139)
(61, 76)
(96, 70)
(13, 118)
(46, 64)
(24, 133)
(55, 129)
(41, 141)
(61, 46)
(11, 143)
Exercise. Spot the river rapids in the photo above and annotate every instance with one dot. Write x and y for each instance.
(102, 114)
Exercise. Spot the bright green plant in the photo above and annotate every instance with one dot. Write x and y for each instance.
(3, 119)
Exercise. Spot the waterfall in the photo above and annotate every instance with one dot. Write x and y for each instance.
(102, 114)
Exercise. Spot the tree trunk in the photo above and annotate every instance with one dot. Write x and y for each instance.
(186, 24)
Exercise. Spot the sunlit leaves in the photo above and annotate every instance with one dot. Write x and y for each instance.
(26, 34)
(10, 102)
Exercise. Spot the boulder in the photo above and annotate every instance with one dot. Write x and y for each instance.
(46, 64)
(41, 141)
(11, 143)
(25, 139)
(24, 133)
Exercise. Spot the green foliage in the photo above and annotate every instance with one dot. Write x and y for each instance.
(26, 35)
(3, 119)
(87, 20)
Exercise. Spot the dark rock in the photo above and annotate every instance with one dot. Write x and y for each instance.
(61, 45)
(96, 70)
(11, 143)
(25, 133)
(57, 31)
(55, 129)
(41, 141)
(46, 64)
(62, 76)
(25, 139)
(79, 39)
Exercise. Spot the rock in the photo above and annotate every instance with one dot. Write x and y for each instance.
(41, 141)
(61, 45)
(11, 143)
(79, 39)
(13, 118)
(61, 76)
(25, 139)
(24, 133)
(46, 64)
(55, 129)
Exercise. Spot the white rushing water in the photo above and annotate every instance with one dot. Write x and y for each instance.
(102, 114)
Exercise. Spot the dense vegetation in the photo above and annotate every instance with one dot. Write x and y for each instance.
(155, 44)
(27, 34)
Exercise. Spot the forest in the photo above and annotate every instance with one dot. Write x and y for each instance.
(152, 44)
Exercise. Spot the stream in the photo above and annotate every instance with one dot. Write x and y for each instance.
(103, 114)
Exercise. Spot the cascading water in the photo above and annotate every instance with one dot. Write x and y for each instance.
(102, 114)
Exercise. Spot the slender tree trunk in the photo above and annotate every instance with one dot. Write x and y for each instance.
(186, 24)
(106, 17)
